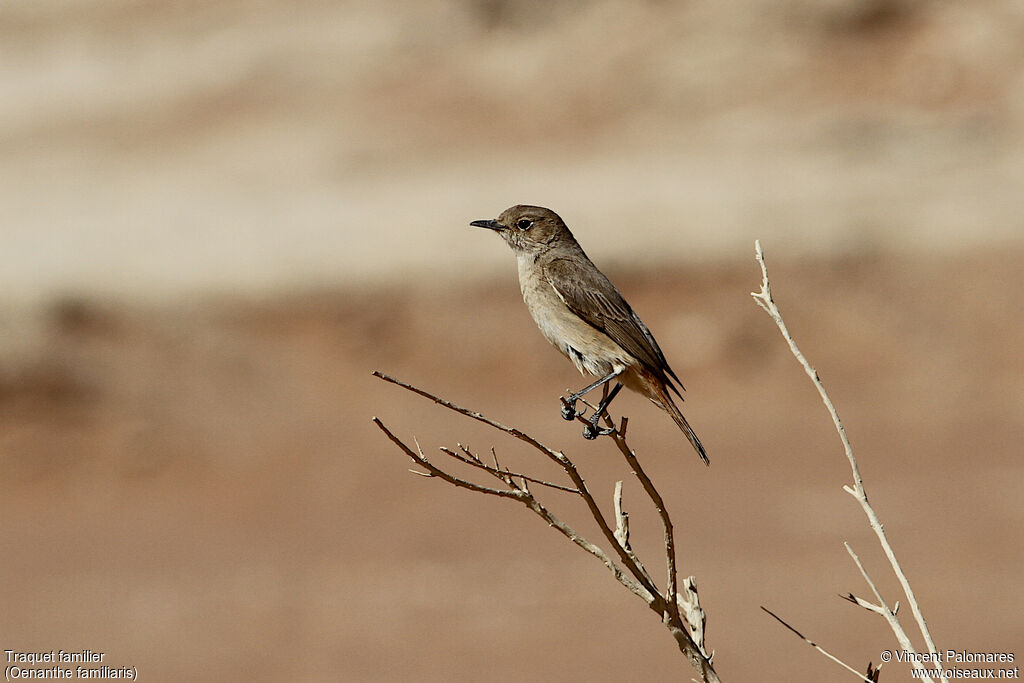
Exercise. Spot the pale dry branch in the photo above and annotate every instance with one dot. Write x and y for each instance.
(672, 606)
(696, 619)
(621, 519)
(765, 300)
(861, 602)
(629, 570)
(622, 529)
(882, 608)
(671, 616)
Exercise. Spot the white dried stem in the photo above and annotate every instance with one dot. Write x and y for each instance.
(696, 619)
(883, 609)
(764, 300)
(622, 529)
(621, 519)
(869, 606)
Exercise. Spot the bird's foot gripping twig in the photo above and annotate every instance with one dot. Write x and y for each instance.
(591, 431)
(569, 411)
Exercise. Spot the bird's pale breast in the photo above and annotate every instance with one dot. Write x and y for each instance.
(590, 349)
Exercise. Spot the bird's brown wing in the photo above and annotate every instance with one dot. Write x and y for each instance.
(592, 296)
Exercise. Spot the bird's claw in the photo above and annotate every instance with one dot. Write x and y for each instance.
(569, 410)
(591, 431)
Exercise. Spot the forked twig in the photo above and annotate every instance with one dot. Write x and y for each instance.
(881, 608)
(617, 434)
(765, 301)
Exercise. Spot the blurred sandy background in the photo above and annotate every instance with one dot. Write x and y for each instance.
(217, 218)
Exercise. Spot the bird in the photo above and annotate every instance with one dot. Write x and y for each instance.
(586, 318)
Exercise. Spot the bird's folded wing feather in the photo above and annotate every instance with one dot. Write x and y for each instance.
(591, 296)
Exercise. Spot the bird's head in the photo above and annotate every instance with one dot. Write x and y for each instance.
(528, 228)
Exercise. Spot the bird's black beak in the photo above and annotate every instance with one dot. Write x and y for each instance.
(490, 225)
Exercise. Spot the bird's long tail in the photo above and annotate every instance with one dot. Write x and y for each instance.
(687, 429)
(664, 400)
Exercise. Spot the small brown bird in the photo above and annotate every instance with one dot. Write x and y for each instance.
(585, 317)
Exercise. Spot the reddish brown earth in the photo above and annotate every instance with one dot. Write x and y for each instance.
(200, 492)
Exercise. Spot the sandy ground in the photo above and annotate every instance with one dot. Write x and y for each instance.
(200, 492)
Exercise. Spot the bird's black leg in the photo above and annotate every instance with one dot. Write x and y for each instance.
(569, 402)
(592, 431)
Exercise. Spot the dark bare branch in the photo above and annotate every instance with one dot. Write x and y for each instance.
(435, 471)
(527, 499)
(631, 573)
(566, 464)
(474, 461)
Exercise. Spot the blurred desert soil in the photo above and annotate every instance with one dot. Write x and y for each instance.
(216, 219)
(201, 492)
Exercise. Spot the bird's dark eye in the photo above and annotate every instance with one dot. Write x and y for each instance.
(524, 223)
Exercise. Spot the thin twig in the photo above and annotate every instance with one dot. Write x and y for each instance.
(473, 461)
(435, 471)
(818, 647)
(522, 436)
